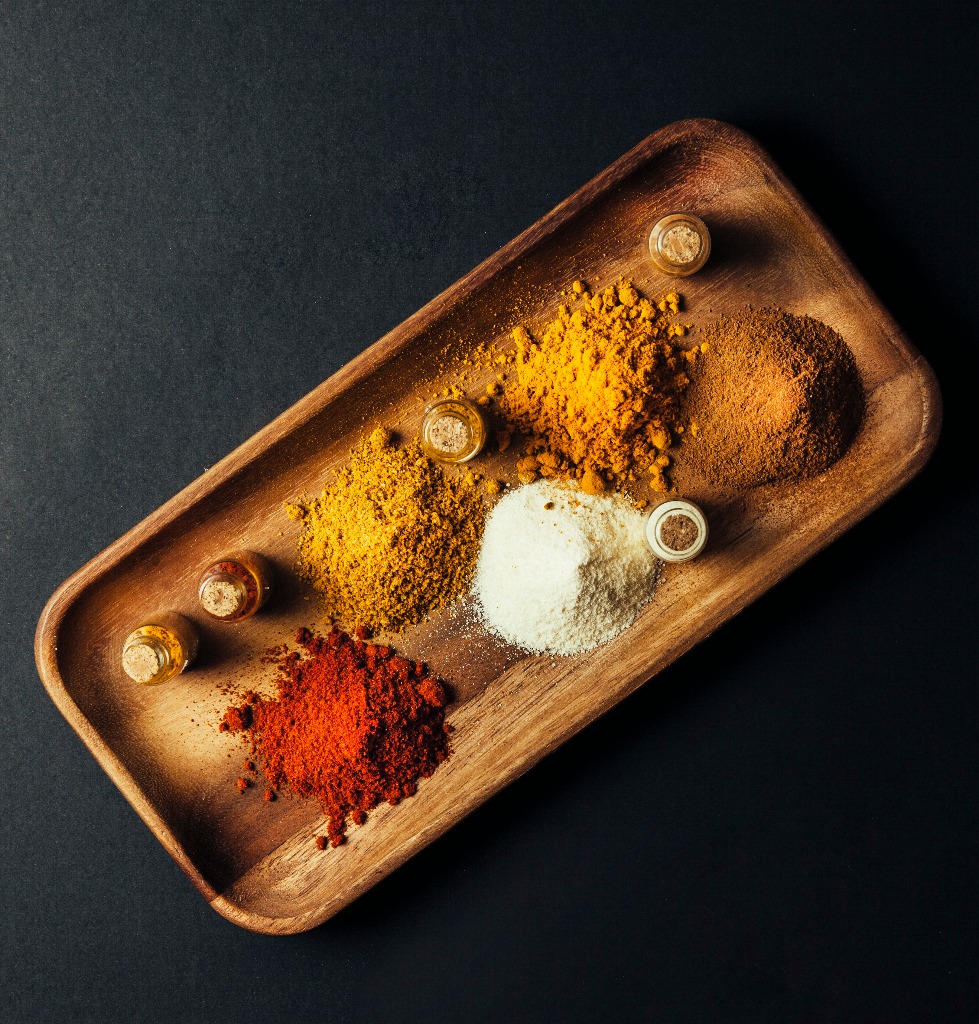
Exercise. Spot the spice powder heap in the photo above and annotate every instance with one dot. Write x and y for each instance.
(778, 398)
(391, 539)
(562, 571)
(353, 724)
(600, 387)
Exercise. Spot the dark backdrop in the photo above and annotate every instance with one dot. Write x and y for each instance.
(205, 211)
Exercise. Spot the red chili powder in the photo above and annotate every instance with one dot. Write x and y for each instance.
(352, 724)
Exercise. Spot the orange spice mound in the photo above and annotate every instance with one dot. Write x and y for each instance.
(599, 389)
(352, 724)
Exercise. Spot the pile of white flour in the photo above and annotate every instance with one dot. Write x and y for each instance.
(561, 571)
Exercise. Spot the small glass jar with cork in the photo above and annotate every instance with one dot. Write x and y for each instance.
(453, 430)
(159, 649)
(235, 586)
(676, 530)
(679, 244)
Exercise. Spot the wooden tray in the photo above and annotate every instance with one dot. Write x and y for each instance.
(255, 862)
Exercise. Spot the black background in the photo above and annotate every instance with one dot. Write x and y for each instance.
(206, 211)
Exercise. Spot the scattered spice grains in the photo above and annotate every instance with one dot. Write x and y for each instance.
(599, 388)
(778, 398)
(392, 538)
(351, 724)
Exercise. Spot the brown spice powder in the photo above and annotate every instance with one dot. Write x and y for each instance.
(778, 397)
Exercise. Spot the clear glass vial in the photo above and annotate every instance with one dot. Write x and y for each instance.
(676, 530)
(235, 586)
(679, 244)
(453, 430)
(160, 649)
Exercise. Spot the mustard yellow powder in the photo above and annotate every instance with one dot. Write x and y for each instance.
(391, 539)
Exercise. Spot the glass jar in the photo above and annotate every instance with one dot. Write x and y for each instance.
(235, 586)
(159, 649)
(679, 244)
(676, 530)
(453, 430)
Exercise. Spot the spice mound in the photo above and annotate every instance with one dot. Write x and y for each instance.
(600, 387)
(352, 724)
(778, 398)
(391, 539)
(560, 570)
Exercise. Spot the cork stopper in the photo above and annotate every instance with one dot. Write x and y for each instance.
(142, 661)
(680, 244)
(223, 596)
(449, 434)
(678, 532)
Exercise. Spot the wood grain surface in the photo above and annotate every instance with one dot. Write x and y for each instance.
(254, 861)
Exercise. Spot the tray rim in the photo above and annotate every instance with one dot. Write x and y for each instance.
(362, 365)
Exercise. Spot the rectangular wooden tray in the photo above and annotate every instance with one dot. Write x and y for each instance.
(255, 862)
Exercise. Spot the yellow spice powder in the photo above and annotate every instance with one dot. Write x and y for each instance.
(391, 539)
(599, 388)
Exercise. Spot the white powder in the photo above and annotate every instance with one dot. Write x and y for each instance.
(561, 571)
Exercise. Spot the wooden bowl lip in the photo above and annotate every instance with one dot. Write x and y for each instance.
(59, 604)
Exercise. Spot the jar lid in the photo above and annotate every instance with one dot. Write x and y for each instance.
(222, 595)
(143, 660)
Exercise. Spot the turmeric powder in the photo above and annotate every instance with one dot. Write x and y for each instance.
(599, 388)
(391, 539)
